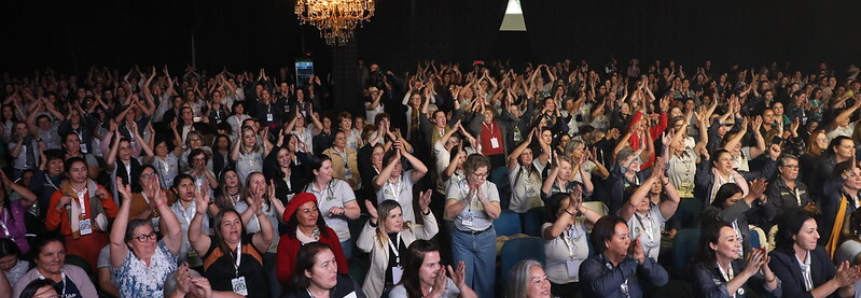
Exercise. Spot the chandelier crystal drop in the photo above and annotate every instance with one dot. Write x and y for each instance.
(336, 19)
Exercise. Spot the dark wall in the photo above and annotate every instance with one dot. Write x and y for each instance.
(257, 33)
(237, 34)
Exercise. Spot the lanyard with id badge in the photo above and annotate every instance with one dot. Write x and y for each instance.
(570, 238)
(85, 225)
(469, 216)
(397, 271)
(238, 284)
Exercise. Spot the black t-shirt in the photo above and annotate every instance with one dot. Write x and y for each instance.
(219, 268)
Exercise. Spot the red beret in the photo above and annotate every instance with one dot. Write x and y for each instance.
(297, 201)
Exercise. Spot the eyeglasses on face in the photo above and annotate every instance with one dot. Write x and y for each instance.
(148, 237)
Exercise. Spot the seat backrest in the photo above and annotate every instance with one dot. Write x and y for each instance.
(507, 224)
(684, 247)
(518, 249)
(533, 220)
(597, 206)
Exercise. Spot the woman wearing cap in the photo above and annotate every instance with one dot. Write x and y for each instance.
(304, 225)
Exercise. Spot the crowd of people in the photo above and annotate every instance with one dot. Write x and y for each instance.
(148, 184)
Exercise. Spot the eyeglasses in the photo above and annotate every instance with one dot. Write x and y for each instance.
(453, 142)
(144, 238)
(148, 175)
(481, 175)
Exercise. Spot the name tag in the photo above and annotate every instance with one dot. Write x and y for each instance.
(494, 143)
(239, 286)
(468, 217)
(573, 268)
(397, 273)
(85, 226)
(270, 117)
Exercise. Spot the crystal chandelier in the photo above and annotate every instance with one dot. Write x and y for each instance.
(336, 19)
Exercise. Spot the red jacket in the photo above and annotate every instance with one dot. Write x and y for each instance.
(654, 131)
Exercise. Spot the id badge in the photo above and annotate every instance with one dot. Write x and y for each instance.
(193, 254)
(155, 223)
(239, 286)
(494, 142)
(85, 226)
(467, 219)
(397, 273)
(269, 117)
(530, 192)
(573, 268)
(348, 174)
(83, 147)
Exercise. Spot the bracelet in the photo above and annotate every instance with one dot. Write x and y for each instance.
(159, 204)
(569, 212)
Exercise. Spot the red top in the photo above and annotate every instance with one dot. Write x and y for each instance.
(489, 131)
(654, 131)
(288, 250)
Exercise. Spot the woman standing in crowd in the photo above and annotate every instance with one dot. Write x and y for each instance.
(393, 183)
(80, 209)
(524, 178)
(472, 205)
(337, 202)
(344, 164)
(386, 237)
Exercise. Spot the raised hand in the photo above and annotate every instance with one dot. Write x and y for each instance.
(124, 190)
(372, 211)
(201, 199)
(424, 200)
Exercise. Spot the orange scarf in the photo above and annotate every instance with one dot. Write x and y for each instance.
(834, 239)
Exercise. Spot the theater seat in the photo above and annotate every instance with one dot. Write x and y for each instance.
(518, 249)
(597, 206)
(507, 224)
(684, 247)
(533, 220)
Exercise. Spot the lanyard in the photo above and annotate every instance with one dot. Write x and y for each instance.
(48, 179)
(395, 187)
(3, 223)
(80, 200)
(65, 283)
(727, 274)
(569, 238)
(146, 198)
(648, 230)
(489, 128)
(797, 194)
(395, 249)
(238, 258)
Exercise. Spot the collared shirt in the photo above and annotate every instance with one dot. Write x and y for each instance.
(473, 217)
(648, 228)
(136, 279)
(336, 193)
(609, 280)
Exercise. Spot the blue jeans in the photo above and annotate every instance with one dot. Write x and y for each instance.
(347, 248)
(478, 253)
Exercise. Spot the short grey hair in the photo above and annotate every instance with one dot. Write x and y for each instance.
(518, 278)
